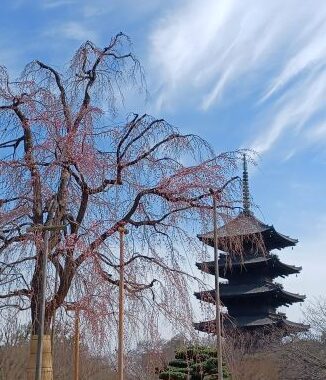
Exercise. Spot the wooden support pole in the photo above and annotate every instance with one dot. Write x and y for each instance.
(56, 283)
(217, 295)
(122, 232)
(40, 333)
(76, 345)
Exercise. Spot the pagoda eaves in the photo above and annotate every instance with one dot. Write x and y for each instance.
(246, 226)
(275, 292)
(268, 264)
(251, 296)
(268, 322)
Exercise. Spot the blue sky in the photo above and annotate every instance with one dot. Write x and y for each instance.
(243, 74)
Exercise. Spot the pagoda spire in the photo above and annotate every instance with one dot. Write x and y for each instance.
(245, 187)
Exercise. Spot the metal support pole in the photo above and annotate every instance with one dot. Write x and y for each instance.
(38, 371)
(121, 307)
(217, 296)
(77, 345)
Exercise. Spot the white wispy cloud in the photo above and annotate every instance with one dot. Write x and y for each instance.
(293, 110)
(72, 30)
(310, 53)
(318, 132)
(272, 51)
(56, 3)
(139, 8)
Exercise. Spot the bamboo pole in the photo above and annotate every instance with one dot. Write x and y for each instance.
(122, 232)
(77, 345)
(217, 295)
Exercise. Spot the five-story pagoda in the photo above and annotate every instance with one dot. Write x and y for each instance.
(251, 294)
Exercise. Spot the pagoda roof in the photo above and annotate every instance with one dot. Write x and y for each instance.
(245, 227)
(254, 321)
(228, 292)
(228, 265)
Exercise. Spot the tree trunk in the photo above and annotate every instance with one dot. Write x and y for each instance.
(47, 368)
(50, 307)
(47, 360)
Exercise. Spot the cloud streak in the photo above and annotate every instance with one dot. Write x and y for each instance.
(72, 30)
(271, 52)
(50, 4)
(294, 110)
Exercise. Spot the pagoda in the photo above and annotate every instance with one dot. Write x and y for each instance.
(251, 295)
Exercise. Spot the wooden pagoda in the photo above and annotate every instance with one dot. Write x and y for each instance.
(251, 294)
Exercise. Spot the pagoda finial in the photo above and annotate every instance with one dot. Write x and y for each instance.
(245, 187)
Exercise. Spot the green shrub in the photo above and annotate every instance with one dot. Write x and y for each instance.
(193, 363)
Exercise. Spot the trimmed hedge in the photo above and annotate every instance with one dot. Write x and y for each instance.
(193, 363)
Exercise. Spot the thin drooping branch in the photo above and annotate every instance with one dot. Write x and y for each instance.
(54, 177)
(63, 96)
(16, 293)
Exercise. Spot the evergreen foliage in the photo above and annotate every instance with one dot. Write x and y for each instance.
(193, 363)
